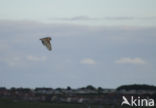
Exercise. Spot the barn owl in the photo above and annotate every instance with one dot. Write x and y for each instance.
(46, 42)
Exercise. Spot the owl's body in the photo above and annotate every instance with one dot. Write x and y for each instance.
(46, 42)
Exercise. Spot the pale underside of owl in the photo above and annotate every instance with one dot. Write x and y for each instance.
(46, 42)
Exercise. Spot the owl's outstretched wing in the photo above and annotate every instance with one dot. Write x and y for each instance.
(46, 42)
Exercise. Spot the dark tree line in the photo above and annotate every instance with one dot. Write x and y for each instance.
(89, 87)
(137, 87)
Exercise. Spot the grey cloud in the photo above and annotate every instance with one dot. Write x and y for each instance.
(28, 31)
(85, 18)
(72, 42)
(76, 18)
(118, 18)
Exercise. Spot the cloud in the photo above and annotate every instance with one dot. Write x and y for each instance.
(87, 61)
(75, 18)
(36, 59)
(16, 61)
(4, 45)
(11, 61)
(71, 41)
(84, 18)
(119, 18)
(127, 60)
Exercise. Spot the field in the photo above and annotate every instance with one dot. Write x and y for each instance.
(46, 105)
(11, 104)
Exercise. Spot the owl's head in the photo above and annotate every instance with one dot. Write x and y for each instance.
(49, 38)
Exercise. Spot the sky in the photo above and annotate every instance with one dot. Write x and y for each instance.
(104, 43)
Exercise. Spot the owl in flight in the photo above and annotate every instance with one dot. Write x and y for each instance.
(46, 42)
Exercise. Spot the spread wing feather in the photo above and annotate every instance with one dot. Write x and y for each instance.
(46, 42)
